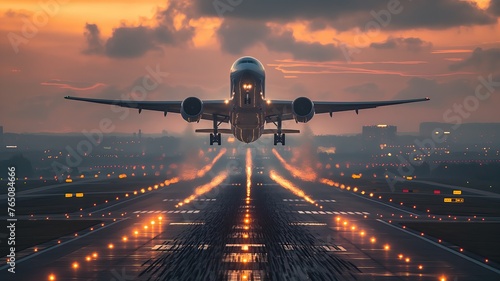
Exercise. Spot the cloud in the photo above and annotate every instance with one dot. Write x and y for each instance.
(443, 14)
(238, 35)
(129, 42)
(442, 94)
(93, 40)
(494, 7)
(135, 41)
(365, 89)
(17, 13)
(172, 32)
(345, 15)
(72, 85)
(302, 50)
(482, 60)
(413, 44)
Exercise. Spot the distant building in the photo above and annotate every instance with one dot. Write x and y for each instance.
(379, 134)
(464, 133)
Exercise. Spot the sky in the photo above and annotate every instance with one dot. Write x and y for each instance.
(327, 50)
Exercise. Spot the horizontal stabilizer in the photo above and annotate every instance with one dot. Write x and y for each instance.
(208, 131)
(284, 131)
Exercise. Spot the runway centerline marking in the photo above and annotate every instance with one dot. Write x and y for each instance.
(442, 247)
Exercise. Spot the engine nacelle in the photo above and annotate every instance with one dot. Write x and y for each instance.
(192, 109)
(303, 109)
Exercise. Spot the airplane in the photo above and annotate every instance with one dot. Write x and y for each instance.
(247, 110)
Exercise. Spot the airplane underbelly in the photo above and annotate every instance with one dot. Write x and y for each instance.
(247, 135)
(247, 127)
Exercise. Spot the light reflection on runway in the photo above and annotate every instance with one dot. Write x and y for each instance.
(291, 187)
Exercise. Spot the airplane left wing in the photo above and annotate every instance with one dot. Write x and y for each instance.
(211, 108)
(283, 109)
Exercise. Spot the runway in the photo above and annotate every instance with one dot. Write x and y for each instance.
(258, 222)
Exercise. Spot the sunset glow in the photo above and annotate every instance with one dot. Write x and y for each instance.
(327, 53)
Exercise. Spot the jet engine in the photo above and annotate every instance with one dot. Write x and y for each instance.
(192, 109)
(303, 109)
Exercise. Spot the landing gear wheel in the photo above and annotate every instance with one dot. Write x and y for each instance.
(279, 138)
(215, 138)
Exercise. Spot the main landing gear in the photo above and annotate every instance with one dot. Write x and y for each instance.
(279, 137)
(215, 137)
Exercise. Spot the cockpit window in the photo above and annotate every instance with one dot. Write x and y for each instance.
(247, 61)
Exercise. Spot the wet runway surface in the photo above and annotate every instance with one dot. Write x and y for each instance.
(259, 223)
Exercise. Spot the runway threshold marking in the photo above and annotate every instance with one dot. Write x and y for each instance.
(332, 213)
(308, 223)
(186, 223)
(442, 247)
(302, 200)
(174, 247)
(199, 199)
(327, 248)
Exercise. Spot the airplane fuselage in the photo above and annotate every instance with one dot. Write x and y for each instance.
(247, 110)
(247, 99)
